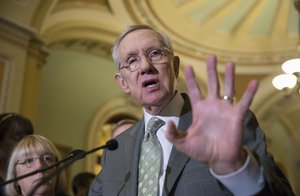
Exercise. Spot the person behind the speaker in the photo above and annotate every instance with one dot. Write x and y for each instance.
(121, 126)
(82, 182)
(13, 128)
(34, 152)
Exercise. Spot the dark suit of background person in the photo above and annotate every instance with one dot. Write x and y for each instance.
(185, 176)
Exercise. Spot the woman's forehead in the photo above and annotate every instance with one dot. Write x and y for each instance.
(28, 152)
(31, 151)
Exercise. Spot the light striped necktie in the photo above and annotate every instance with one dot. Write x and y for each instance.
(150, 160)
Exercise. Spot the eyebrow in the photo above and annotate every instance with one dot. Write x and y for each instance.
(27, 154)
(131, 53)
(30, 153)
(145, 50)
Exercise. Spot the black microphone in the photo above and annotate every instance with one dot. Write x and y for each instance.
(110, 145)
(75, 154)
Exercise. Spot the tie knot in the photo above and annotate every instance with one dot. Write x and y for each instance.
(154, 124)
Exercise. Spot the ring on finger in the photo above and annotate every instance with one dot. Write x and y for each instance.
(227, 98)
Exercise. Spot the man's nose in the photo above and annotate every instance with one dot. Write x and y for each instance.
(145, 65)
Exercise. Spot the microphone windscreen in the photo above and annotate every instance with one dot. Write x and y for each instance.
(112, 144)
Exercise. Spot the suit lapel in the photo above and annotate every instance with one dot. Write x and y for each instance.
(176, 164)
(132, 151)
(177, 159)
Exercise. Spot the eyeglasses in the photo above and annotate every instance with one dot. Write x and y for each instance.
(153, 56)
(30, 161)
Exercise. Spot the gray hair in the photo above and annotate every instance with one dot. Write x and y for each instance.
(165, 39)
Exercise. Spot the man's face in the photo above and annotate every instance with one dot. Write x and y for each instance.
(151, 85)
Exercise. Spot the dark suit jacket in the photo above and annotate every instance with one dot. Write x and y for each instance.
(184, 176)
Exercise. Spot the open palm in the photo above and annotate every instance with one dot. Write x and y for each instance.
(215, 135)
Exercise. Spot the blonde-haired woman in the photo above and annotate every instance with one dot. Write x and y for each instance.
(34, 152)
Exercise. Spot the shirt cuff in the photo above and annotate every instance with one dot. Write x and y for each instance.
(248, 180)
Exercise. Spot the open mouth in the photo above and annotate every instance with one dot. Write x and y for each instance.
(149, 83)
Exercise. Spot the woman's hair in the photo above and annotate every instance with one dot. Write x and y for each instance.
(164, 38)
(15, 122)
(40, 145)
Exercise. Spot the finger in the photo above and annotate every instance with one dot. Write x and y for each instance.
(213, 81)
(229, 80)
(173, 135)
(193, 88)
(248, 96)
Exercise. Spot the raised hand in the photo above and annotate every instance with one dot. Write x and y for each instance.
(215, 135)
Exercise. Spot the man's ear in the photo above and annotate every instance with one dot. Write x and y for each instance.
(176, 62)
(122, 83)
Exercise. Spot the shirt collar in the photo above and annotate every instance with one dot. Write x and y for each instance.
(173, 109)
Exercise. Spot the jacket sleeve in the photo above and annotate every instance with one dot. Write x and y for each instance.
(275, 181)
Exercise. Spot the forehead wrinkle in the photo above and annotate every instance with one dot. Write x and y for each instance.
(133, 44)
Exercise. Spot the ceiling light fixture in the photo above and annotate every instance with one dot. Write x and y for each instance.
(290, 80)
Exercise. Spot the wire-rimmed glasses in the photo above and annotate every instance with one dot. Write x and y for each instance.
(153, 56)
(47, 159)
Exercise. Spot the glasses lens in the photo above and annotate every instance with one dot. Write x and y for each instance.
(133, 63)
(153, 56)
(29, 161)
(48, 159)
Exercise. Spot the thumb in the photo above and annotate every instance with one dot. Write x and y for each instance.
(174, 135)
